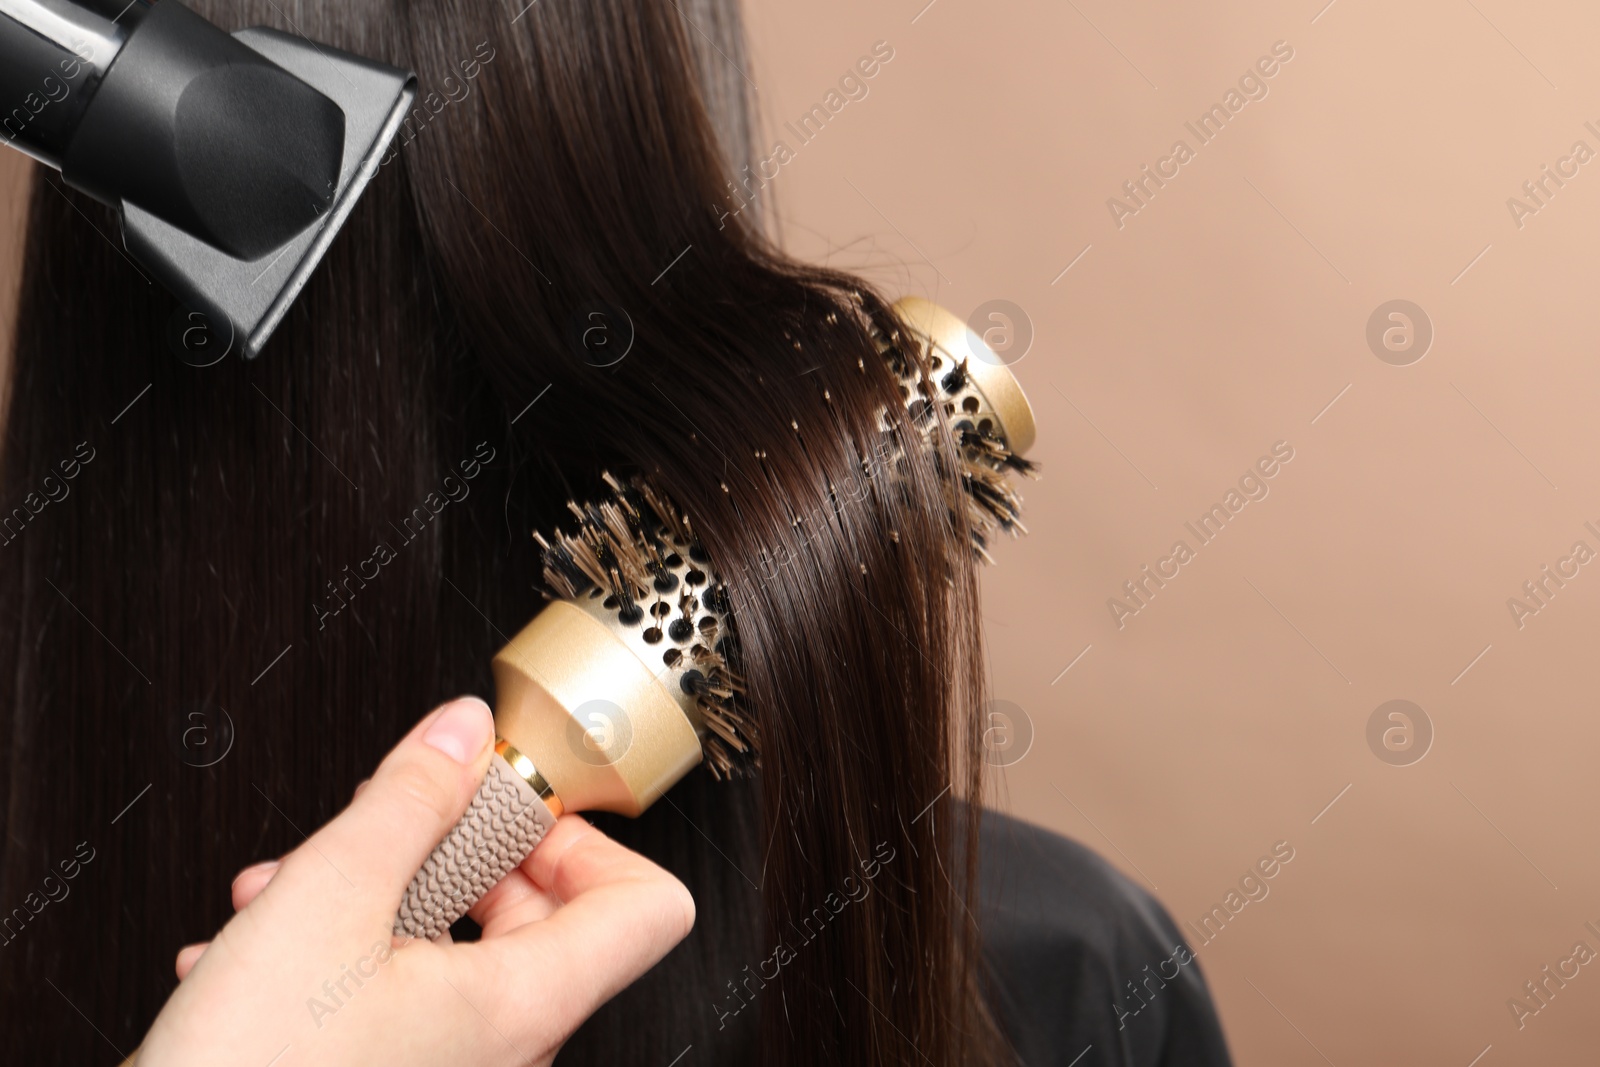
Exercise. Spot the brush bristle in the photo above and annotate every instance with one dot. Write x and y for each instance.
(629, 545)
(934, 385)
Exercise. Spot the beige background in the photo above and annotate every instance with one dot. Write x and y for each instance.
(1225, 316)
(1220, 319)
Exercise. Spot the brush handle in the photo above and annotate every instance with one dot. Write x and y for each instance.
(504, 823)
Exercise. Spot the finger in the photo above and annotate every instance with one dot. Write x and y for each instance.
(362, 861)
(359, 787)
(249, 883)
(188, 956)
(621, 914)
(399, 941)
(514, 901)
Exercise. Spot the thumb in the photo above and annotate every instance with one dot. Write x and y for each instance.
(416, 795)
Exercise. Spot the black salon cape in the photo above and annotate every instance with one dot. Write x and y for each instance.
(1064, 932)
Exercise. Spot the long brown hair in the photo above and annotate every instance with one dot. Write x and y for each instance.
(541, 284)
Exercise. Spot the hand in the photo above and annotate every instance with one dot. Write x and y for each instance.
(308, 971)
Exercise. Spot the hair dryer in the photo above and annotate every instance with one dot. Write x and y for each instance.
(232, 160)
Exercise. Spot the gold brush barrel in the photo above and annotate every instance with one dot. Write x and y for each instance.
(613, 730)
(599, 704)
(993, 384)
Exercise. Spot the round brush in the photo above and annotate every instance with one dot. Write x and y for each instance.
(629, 677)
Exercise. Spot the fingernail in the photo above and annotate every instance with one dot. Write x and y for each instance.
(265, 867)
(462, 730)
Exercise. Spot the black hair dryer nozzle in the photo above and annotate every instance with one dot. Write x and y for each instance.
(233, 160)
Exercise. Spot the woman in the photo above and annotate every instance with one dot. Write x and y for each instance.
(546, 279)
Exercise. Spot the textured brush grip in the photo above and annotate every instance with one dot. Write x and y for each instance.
(505, 821)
